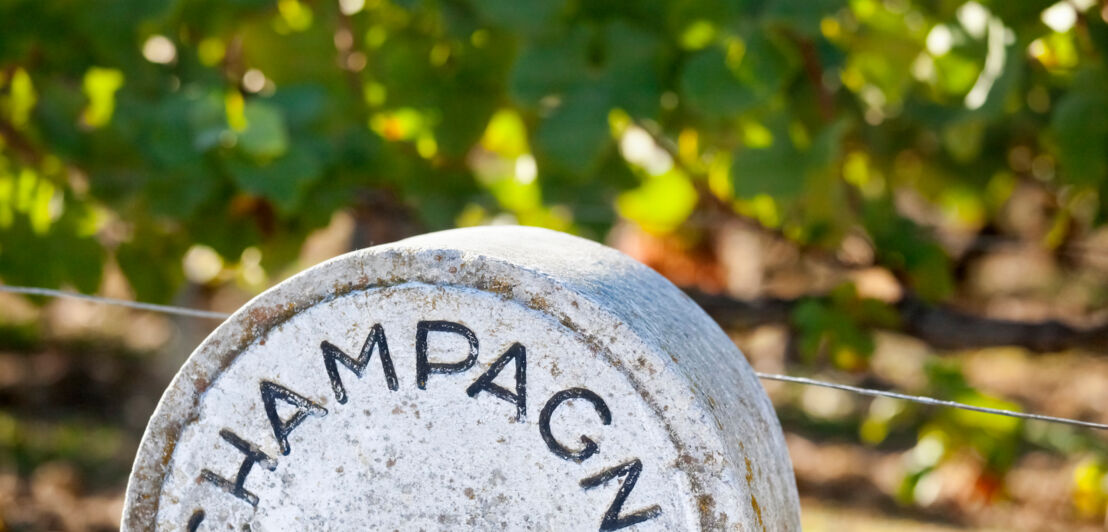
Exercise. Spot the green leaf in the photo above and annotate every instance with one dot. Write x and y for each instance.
(230, 229)
(266, 136)
(770, 164)
(207, 121)
(903, 246)
(67, 254)
(803, 15)
(550, 67)
(282, 180)
(711, 89)
(769, 63)
(824, 328)
(590, 201)
(302, 104)
(438, 196)
(631, 68)
(826, 148)
(528, 18)
(579, 79)
(962, 138)
(1098, 34)
(576, 134)
(776, 167)
(151, 262)
(1080, 133)
(181, 190)
(777, 170)
(57, 115)
(463, 122)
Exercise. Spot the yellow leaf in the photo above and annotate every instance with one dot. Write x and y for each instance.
(698, 35)
(22, 99)
(100, 86)
(235, 107)
(661, 203)
(506, 135)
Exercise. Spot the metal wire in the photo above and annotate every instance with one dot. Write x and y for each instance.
(207, 314)
(165, 309)
(928, 400)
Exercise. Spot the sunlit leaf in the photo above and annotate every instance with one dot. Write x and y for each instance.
(100, 85)
(22, 98)
(661, 203)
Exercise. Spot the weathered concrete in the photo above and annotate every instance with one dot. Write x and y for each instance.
(533, 380)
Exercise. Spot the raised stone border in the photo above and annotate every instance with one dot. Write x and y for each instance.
(684, 408)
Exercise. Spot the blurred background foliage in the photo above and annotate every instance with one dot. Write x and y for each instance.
(898, 144)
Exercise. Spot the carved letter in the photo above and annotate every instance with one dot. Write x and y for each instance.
(548, 411)
(425, 367)
(612, 519)
(236, 488)
(484, 382)
(332, 354)
(271, 392)
(195, 520)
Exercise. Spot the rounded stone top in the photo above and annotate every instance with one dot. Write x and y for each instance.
(499, 377)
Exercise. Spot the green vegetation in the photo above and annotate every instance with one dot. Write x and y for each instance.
(136, 129)
(148, 133)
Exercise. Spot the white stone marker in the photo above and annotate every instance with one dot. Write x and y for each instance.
(501, 378)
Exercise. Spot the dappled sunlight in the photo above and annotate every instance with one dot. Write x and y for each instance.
(895, 194)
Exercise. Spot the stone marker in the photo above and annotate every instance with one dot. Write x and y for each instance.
(501, 378)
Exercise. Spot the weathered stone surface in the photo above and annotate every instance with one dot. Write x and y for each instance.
(494, 378)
